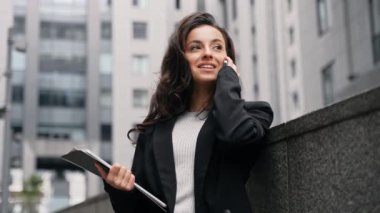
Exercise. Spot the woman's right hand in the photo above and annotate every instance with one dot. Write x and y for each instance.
(119, 177)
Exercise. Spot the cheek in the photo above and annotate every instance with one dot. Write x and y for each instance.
(191, 60)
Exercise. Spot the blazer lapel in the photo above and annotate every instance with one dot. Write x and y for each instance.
(203, 153)
(163, 154)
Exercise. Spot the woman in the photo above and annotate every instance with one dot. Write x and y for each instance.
(196, 146)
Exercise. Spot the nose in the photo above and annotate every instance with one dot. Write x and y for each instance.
(207, 53)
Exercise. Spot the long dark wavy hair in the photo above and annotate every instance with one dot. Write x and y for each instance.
(174, 89)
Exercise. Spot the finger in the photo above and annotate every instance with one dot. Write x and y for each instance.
(126, 178)
(112, 174)
(101, 171)
(114, 170)
(118, 180)
(231, 63)
(131, 183)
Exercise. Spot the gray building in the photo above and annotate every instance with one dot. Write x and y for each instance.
(304, 55)
(5, 24)
(141, 31)
(298, 55)
(61, 93)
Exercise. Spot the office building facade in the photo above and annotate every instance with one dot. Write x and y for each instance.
(298, 55)
(6, 22)
(61, 93)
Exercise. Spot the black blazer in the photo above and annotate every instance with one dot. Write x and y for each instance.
(224, 155)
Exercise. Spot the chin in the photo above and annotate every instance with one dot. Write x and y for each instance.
(207, 80)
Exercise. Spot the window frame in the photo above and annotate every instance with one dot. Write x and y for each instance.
(322, 24)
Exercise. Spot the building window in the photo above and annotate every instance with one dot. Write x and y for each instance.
(139, 30)
(291, 35)
(140, 64)
(140, 98)
(375, 27)
(290, 5)
(234, 9)
(139, 3)
(61, 132)
(19, 25)
(67, 64)
(178, 4)
(255, 77)
(62, 30)
(328, 84)
(253, 32)
(106, 132)
(201, 5)
(60, 98)
(106, 30)
(17, 94)
(293, 68)
(105, 63)
(296, 101)
(322, 16)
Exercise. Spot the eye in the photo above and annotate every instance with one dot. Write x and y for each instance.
(218, 47)
(193, 48)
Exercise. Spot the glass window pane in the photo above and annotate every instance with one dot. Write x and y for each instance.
(106, 63)
(295, 99)
(140, 64)
(140, 98)
(291, 35)
(327, 84)
(376, 16)
(18, 61)
(139, 30)
(322, 15)
(293, 68)
(375, 21)
(106, 30)
(106, 132)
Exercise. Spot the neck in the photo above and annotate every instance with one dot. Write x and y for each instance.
(201, 97)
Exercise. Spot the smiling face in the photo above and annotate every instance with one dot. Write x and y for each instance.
(205, 51)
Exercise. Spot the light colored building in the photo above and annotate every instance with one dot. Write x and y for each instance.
(303, 55)
(61, 92)
(141, 32)
(5, 23)
(298, 55)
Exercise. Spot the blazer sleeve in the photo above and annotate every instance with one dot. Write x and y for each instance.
(238, 122)
(133, 201)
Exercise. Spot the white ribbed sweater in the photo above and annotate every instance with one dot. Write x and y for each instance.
(184, 135)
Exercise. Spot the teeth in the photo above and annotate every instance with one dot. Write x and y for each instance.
(207, 66)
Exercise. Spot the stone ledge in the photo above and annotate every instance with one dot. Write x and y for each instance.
(364, 103)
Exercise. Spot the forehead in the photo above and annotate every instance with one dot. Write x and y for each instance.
(204, 33)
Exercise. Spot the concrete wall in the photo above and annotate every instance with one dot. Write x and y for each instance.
(97, 204)
(325, 161)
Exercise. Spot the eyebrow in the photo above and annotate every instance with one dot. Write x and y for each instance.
(199, 42)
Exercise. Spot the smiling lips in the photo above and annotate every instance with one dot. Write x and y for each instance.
(206, 66)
